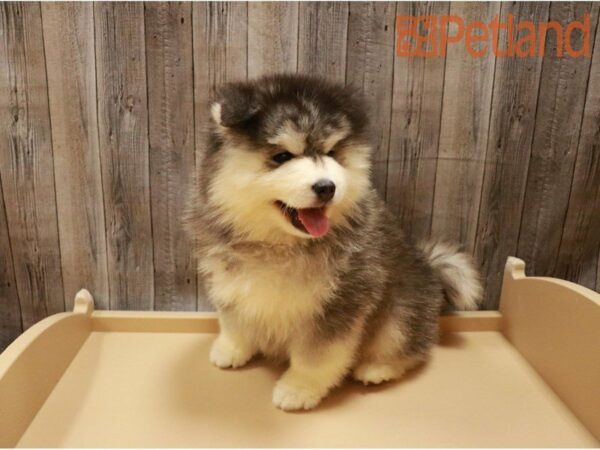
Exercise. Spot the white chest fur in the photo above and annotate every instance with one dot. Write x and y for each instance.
(271, 296)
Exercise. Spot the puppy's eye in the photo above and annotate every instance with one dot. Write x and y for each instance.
(331, 154)
(282, 157)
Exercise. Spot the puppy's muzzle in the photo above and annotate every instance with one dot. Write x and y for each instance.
(325, 189)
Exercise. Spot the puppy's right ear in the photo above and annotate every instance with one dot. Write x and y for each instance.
(236, 104)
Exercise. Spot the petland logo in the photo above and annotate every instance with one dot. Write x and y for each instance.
(429, 36)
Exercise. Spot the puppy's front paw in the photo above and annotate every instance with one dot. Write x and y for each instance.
(224, 354)
(293, 395)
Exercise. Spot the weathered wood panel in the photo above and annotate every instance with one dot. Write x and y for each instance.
(598, 273)
(69, 44)
(322, 38)
(220, 55)
(415, 132)
(10, 311)
(557, 126)
(580, 243)
(499, 153)
(171, 126)
(512, 124)
(468, 86)
(220, 52)
(370, 67)
(123, 131)
(272, 37)
(26, 167)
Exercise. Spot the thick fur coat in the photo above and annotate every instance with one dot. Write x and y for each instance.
(297, 251)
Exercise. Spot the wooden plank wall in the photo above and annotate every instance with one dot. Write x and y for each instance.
(103, 108)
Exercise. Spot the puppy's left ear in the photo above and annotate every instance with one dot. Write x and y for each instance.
(236, 104)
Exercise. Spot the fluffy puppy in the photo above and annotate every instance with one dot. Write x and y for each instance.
(298, 253)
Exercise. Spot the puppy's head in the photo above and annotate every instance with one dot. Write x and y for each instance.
(290, 154)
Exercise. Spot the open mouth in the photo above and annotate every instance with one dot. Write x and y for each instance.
(311, 221)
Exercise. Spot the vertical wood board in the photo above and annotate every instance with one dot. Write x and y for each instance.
(10, 310)
(322, 39)
(168, 29)
(512, 123)
(557, 127)
(26, 167)
(370, 68)
(69, 44)
(272, 37)
(468, 84)
(580, 240)
(123, 131)
(415, 131)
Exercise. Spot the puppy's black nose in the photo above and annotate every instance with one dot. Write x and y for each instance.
(325, 189)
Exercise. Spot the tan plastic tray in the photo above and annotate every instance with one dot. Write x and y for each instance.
(528, 375)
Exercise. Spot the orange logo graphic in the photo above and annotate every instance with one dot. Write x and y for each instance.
(430, 36)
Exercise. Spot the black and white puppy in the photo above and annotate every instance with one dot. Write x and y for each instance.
(298, 253)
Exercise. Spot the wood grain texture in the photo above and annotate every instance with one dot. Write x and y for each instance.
(415, 132)
(220, 55)
(554, 150)
(171, 127)
(123, 131)
(10, 310)
(501, 154)
(512, 122)
(272, 37)
(69, 44)
(580, 242)
(370, 67)
(468, 87)
(322, 36)
(220, 52)
(26, 168)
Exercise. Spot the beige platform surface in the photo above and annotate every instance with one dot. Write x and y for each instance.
(476, 391)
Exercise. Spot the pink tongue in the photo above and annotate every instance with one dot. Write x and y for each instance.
(314, 220)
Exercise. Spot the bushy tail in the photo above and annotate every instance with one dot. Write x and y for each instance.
(455, 269)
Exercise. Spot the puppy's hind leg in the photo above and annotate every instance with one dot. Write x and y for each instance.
(382, 358)
(316, 366)
(377, 372)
